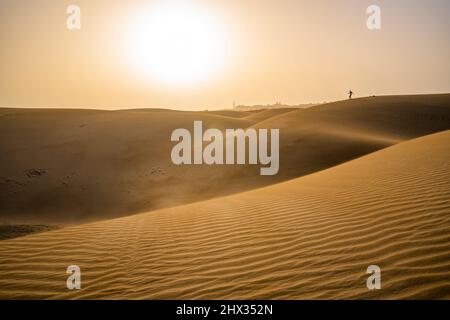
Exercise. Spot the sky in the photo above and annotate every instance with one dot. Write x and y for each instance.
(205, 54)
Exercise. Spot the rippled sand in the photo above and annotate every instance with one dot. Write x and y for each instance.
(311, 237)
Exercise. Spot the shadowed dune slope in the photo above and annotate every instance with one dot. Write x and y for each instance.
(312, 237)
(72, 166)
(76, 165)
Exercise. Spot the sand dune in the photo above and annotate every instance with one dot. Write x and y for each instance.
(268, 114)
(72, 166)
(311, 237)
(94, 164)
(322, 136)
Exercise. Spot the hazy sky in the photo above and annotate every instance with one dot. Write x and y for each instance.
(294, 51)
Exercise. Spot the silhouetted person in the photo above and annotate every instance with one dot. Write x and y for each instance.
(350, 94)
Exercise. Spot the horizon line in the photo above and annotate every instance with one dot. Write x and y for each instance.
(203, 109)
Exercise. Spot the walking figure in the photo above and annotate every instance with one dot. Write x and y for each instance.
(350, 94)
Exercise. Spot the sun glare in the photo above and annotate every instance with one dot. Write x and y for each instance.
(176, 44)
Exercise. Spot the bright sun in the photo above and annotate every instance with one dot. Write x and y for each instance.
(176, 44)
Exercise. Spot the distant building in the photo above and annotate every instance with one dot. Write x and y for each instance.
(277, 105)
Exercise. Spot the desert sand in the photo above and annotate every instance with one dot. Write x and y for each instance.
(361, 182)
(311, 237)
(70, 166)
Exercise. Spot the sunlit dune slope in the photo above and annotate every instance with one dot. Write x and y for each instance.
(312, 237)
(70, 166)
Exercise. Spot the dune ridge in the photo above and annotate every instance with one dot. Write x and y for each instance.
(309, 238)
